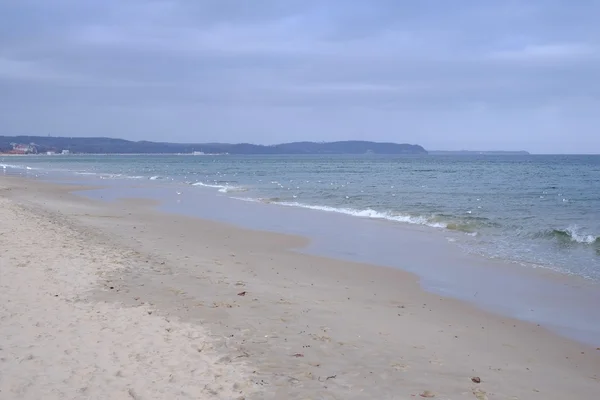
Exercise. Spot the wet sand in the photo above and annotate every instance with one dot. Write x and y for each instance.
(120, 301)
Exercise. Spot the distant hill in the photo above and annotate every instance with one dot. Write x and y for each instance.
(102, 145)
(485, 153)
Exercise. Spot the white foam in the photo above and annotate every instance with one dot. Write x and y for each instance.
(579, 237)
(221, 188)
(14, 166)
(230, 189)
(110, 176)
(368, 213)
(207, 185)
(153, 178)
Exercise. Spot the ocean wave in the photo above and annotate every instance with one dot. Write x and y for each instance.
(232, 189)
(221, 188)
(101, 175)
(110, 176)
(572, 234)
(466, 228)
(14, 166)
(366, 213)
(468, 225)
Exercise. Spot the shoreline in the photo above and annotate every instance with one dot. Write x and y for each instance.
(526, 291)
(371, 330)
(572, 254)
(502, 287)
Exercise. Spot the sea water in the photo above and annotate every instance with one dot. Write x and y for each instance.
(535, 211)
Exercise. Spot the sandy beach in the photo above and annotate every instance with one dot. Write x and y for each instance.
(117, 300)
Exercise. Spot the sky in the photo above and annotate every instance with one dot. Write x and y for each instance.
(451, 75)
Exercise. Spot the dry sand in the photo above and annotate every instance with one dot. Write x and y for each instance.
(118, 301)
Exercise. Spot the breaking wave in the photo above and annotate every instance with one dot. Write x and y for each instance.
(572, 234)
(469, 225)
(366, 213)
(221, 188)
(14, 166)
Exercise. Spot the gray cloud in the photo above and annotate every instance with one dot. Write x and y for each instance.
(463, 74)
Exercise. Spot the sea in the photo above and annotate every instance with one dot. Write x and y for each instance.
(532, 210)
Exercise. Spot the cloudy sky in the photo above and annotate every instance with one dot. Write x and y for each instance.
(461, 74)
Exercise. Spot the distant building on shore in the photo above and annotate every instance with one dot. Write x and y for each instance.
(19, 148)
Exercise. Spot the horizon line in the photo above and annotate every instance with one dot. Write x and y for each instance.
(305, 141)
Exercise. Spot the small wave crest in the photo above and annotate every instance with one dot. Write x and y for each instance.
(366, 213)
(111, 176)
(221, 188)
(101, 175)
(572, 235)
(468, 225)
(466, 228)
(86, 173)
(14, 166)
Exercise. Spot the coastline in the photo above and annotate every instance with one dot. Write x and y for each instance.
(543, 296)
(541, 224)
(537, 293)
(363, 331)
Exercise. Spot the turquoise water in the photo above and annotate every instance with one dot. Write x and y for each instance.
(534, 210)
